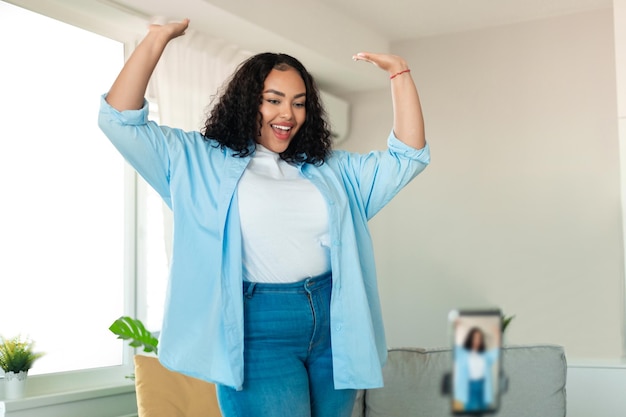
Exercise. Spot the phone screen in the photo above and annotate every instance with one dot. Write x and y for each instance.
(477, 339)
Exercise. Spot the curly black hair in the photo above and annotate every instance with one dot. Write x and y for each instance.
(234, 121)
(469, 340)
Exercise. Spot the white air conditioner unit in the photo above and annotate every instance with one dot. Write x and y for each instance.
(338, 111)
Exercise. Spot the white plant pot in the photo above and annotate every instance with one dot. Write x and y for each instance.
(14, 385)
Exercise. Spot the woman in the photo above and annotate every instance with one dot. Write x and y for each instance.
(272, 291)
(473, 383)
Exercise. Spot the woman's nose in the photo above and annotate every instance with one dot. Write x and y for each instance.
(287, 112)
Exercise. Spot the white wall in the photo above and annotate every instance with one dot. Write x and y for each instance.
(520, 207)
(596, 390)
(619, 19)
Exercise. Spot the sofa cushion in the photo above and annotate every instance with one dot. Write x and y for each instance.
(413, 377)
(536, 379)
(163, 393)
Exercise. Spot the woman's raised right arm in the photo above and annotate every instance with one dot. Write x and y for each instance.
(129, 88)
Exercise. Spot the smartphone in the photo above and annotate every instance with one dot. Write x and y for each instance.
(476, 373)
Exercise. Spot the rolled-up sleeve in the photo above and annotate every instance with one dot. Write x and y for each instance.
(397, 146)
(141, 142)
(380, 175)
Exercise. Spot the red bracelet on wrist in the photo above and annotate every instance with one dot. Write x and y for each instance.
(399, 73)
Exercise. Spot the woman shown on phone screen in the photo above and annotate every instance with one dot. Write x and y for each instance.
(474, 379)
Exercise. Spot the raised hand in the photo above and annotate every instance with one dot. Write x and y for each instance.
(408, 122)
(393, 64)
(128, 90)
(171, 29)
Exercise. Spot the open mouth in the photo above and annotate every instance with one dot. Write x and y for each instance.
(281, 131)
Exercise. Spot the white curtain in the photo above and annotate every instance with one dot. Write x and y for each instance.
(189, 75)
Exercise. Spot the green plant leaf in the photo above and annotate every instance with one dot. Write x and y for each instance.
(17, 354)
(128, 328)
(506, 320)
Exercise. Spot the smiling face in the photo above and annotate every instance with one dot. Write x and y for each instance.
(282, 109)
(477, 340)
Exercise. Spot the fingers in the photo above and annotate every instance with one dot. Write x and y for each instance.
(184, 24)
(386, 62)
(361, 56)
(367, 57)
(179, 28)
(172, 29)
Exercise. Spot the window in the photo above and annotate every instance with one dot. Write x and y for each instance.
(62, 216)
(154, 234)
(151, 294)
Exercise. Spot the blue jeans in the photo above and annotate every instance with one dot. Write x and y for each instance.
(288, 367)
(476, 400)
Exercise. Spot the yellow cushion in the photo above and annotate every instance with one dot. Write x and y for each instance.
(163, 393)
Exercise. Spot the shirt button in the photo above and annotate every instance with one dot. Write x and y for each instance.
(336, 243)
(338, 327)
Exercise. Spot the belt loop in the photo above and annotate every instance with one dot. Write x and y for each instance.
(250, 290)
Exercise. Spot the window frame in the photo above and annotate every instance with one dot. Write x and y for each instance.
(126, 27)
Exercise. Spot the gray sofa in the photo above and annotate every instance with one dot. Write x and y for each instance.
(413, 377)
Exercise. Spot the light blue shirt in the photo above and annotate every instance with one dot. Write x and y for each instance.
(462, 374)
(202, 332)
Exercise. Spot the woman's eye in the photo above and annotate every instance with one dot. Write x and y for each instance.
(272, 101)
(299, 105)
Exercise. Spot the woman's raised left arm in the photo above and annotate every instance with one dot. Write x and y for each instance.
(408, 121)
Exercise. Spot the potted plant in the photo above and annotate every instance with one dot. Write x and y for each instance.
(128, 328)
(158, 389)
(134, 331)
(16, 358)
(506, 320)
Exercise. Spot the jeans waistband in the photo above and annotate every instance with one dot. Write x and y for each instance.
(299, 287)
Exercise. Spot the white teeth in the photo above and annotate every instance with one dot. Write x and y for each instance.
(285, 128)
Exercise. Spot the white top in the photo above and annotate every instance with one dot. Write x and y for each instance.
(284, 222)
(477, 366)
